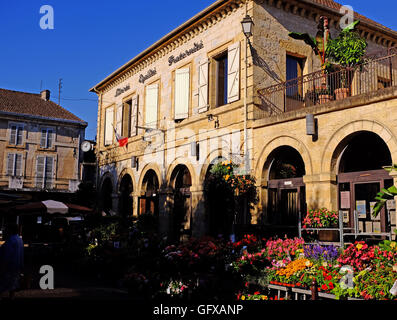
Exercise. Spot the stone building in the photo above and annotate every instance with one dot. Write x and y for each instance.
(205, 92)
(39, 143)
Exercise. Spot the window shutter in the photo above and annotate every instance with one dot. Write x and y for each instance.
(182, 93)
(134, 116)
(43, 140)
(50, 138)
(151, 106)
(109, 116)
(49, 172)
(10, 164)
(40, 171)
(233, 73)
(203, 86)
(13, 134)
(119, 118)
(19, 135)
(18, 165)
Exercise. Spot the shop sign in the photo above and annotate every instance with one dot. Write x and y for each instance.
(183, 55)
(122, 90)
(345, 200)
(149, 74)
(361, 206)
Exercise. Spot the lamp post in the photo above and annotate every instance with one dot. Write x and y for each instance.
(247, 23)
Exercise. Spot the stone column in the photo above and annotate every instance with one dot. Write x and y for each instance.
(165, 206)
(321, 191)
(199, 219)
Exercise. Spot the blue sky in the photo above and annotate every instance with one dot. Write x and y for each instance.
(92, 38)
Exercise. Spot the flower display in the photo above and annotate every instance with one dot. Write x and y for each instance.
(321, 254)
(284, 249)
(320, 218)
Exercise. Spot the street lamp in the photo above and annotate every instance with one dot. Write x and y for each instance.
(247, 25)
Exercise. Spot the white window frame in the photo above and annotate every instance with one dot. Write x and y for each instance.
(20, 127)
(14, 165)
(45, 178)
(47, 138)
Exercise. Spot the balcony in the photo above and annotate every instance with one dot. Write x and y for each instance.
(378, 72)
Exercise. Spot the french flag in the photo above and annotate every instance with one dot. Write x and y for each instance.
(122, 141)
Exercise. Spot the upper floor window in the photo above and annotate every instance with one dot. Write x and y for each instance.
(109, 118)
(151, 105)
(47, 138)
(14, 165)
(294, 70)
(44, 172)
(181, 93)
(126, 121)
(16, 134)
(221, 79)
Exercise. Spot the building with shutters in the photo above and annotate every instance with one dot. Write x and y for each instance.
(39, 144)
(204, 93)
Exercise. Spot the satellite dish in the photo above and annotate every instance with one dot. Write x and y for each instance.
(86, 146)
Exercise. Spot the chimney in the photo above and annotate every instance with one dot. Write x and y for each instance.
(45, 95)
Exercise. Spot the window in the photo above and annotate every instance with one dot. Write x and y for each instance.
(221, 80)
(294, 69)
(44, 172)
(152, 92)
(182, 93)
(47, 138)
(109, 117)
(14, 165)
(16, 135)
(227, 76)
(126, 126)
(134, 116)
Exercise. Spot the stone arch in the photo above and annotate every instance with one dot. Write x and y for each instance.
(211, 157)
(108, 175)
(156, 169)
(124, 172)
(334, 146)
(106, 191)
(174, 165)
(272, 145)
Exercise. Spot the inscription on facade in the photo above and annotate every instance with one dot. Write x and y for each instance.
(122, 90)
(149, 74)
(183, 55)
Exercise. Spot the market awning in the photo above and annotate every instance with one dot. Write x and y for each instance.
(50, 207)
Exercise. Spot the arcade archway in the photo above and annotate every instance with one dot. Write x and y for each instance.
(126, 199)
(149, 199)
(284, 170)
(181, 217)
(360, 159)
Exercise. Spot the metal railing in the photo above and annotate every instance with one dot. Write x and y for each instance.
(378, 72)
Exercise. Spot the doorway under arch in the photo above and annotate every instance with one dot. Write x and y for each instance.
(359, 161)
(106, 195)
(286, 195)
(149, 201)
(181, 218)
(126, 199)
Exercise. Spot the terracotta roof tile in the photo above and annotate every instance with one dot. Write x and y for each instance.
(33, 104)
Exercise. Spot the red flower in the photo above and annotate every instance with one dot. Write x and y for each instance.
(256, 293)
(324, 287)
(331, 286)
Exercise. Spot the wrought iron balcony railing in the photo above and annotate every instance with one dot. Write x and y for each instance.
(378, 72)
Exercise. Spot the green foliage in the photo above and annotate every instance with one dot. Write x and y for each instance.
(347, 50)
(309, 40)
(385, 194)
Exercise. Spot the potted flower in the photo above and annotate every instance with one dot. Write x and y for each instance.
(322, 218)
(346, 51)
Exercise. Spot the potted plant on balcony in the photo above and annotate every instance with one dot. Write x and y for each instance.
(346, 51)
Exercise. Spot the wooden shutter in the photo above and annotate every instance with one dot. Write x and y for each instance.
(43, 139)
(50, 138)
(233, 73)
(203, 86)
(134, 116)
(49, 172)
(151, 106)
(119, 118)
(19, 135)
(109, 116)
(10, 164)
(18, 165)
(13, 135)
(40, 171)
(182, 93)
